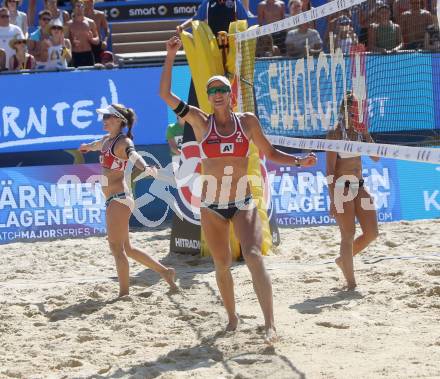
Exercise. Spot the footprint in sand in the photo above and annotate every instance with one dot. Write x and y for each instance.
(160, 344)
(434, 291)
(145, 294)
(329, 324)
(86, 338)
(246, 317)
(434, 272)
(104, 370)
(12, 374)
(311, 280)
(70, 363)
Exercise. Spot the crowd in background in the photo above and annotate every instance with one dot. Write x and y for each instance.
(53, 39)
(376, 26)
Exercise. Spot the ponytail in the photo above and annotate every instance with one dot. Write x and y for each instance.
(129, 115)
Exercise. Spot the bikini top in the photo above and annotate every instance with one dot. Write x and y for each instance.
(215, 145)
(109, 160)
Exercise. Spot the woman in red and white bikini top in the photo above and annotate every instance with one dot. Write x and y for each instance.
(224, 143)
(216, 145)
(108, 159)
(116, 149)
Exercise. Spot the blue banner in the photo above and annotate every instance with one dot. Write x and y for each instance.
(401, 191)
(302, 97)
(50, 202)
(420, 190)
(436, 87)
(56, 110)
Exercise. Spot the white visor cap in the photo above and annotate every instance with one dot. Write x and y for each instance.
(219, 78)
(110, 109)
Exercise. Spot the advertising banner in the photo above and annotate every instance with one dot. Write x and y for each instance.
(50, 202)
(147, 10)
(300, 195)
(420, 190)
(56, 110)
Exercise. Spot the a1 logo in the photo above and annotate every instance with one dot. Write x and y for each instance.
(227, 148)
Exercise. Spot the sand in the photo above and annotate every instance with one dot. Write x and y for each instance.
(59, 317)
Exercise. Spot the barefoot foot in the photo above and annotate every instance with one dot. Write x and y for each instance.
(270, 336)
(232, 324)
(169, 275)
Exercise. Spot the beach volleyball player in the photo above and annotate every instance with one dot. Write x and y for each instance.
(116, 149)
(224, 139)
(348, 195)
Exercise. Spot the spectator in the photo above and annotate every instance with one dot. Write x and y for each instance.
(2, 60)
(414, 23)
(402, 6)
(298, 38)
(266, 48)
(432, 37)
(38, 40)
(35, 7)
(7, 33)
(56, 13)
(218, 14)
(102, 26)
(59, 49)
(83, 34)
(17, 17)
(270, 11)
(21, 60)
(363, 15)
(106, 61)
(334, 25)
(346, 37)
(305, 5)
(385, 36)
(295, 7)
(174, 135)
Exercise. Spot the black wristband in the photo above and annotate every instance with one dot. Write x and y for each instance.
(129, 149)
(182, 109)
(297, 162)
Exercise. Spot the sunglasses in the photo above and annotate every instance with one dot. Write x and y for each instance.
(20, 43)
(56, 28)
(107, 116)
(4, 16)
(47, 19)
(214, 90)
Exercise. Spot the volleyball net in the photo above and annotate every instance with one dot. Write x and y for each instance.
(347, 64)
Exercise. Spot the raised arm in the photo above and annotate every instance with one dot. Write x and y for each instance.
(253, 129)
(92, 146)
(193, 115)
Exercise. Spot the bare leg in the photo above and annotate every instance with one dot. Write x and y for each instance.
(347, 227)
(247, 226)
(117, 216)
(216, 231)
(142, 257)
(367, 218)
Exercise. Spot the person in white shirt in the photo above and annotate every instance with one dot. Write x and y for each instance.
(17, 17)
(8, 31)
(297, 38)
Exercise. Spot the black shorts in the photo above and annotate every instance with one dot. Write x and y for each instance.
(97, 51)
(83, 59)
